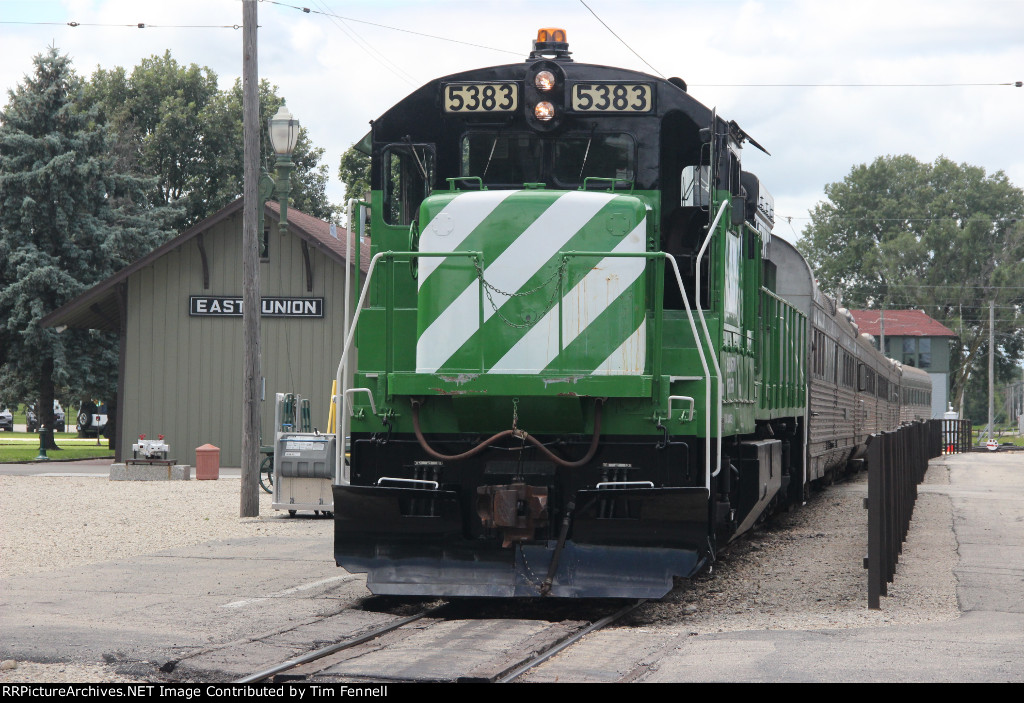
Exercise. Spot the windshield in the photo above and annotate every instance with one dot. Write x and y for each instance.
(504, 159)
(595, 156)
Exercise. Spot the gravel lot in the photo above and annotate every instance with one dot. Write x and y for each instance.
(803, 571)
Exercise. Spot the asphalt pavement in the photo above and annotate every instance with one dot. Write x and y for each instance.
(153, 610)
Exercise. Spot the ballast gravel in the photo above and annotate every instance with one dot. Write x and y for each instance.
(803, 570)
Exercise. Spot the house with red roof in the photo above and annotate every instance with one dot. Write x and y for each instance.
(914, 338)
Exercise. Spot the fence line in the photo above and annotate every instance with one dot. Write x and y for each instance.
(897, 462)
(955, 435)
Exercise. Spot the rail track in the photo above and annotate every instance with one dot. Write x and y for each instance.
(327, 663)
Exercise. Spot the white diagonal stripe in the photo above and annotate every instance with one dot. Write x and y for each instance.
(456, 221)
(510, 271)
(609, 278)
(629, 358)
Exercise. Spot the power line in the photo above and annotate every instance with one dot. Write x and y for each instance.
(354, 36)
(138, 25)
(621, 39)
(1013, 84)
(395, 29)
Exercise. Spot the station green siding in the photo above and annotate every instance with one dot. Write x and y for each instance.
(183, 375)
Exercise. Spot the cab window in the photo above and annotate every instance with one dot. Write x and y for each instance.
(408, 176)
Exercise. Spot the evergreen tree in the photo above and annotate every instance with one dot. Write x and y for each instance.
(67, 221)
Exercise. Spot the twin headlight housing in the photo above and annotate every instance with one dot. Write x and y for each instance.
(545, 95)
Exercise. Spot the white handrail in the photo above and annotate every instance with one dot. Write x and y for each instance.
(707, 336)
(707, 373)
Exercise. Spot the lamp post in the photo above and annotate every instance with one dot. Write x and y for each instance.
(284, 132)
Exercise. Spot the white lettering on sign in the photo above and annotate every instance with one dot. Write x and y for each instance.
(222, 306)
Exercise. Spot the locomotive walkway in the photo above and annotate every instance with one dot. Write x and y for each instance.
(201, 601)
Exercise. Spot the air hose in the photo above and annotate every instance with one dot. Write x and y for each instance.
(521, 434)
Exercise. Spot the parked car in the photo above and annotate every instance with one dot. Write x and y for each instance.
(32, 419)
(6, 420)
(92, 419)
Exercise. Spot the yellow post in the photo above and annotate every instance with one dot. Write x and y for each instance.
(332, 429)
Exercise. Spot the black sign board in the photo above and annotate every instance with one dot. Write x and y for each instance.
(226, 306)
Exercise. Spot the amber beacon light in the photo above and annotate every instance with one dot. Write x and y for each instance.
(551, 34)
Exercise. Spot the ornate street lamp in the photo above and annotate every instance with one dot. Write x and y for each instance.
(284, 132)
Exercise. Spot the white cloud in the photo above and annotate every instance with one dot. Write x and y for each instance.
(336, 80)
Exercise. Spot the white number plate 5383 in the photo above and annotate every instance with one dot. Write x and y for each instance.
(612, 97)
(481, 97)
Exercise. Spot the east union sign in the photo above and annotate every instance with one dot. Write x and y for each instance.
(219, 306)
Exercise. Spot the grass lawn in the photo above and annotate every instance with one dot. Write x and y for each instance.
(1008, 435)
(24, 446)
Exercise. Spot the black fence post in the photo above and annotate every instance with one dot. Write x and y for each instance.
(876, 582)
(897, 462)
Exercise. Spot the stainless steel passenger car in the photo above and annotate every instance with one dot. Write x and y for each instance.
(854, 390)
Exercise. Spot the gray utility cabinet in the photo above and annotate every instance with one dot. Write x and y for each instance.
(304, 466)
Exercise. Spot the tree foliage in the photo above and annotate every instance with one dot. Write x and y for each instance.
(68, 219)
(943, 237)
(354, 172)
(173, 123)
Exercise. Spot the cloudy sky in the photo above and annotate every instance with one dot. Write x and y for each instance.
(824, 85)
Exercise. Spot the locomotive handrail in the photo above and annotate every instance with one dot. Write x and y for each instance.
(623, 484)
(382, 479)
(707, 335)
(340, 399)
(367, 391)
(683, 416)
(347, 347)
(696, 338)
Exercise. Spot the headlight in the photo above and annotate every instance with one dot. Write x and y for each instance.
(544, 111)
(544, 81)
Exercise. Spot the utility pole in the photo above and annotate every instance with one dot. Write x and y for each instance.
(250, 500)
(991, 363)
(881, 329)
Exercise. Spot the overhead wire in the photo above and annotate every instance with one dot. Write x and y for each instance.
(614, 34)
(395, 29)
(137, 25)
(1014, 84)
(342, 25)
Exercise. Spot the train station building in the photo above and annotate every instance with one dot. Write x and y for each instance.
(177, 312)
(915, 339)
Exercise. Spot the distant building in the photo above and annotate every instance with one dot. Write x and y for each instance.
(177, 312)
(915, 339)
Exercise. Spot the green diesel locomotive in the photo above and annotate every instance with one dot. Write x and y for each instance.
(576, 374)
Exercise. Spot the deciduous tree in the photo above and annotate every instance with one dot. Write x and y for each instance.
(173, 124)
(943, 237)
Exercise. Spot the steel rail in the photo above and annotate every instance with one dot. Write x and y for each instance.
(337, 646)
(544, 656)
